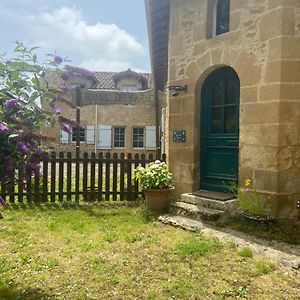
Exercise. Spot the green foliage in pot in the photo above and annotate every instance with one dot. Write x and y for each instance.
(154, 176)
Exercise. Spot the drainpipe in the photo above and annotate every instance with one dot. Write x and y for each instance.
(157, 121)
(163, 130)
(96, 128)
(77, 167)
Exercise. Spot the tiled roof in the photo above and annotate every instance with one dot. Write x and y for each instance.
(105, 79)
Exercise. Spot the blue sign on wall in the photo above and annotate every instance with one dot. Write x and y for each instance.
(179, 136)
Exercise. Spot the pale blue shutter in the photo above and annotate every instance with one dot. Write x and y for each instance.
(64, 137)
(90, 134)
(104, 141)
(151, 137)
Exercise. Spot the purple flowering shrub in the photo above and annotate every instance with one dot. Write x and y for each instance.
(22, 87)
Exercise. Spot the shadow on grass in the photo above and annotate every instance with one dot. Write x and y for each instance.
(72, 205)
(93, 209)
(12, 293)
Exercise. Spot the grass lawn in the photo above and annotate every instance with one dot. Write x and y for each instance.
(117, 252)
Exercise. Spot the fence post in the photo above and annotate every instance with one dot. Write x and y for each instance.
(37, 189)
(93, 175)
(100, 175)
(61, 177)
(85, 175)
(115, 176)
(129, 178)
(69, 176)
(20, 187)
(122, 175)
(53, 176)
(107, 175)
(45, 177)
(136, 183)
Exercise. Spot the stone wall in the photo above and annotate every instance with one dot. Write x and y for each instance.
(139, 115)
(262, 46)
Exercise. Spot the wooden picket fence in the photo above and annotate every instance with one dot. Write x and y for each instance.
(90, 177)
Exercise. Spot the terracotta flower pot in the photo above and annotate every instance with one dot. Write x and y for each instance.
(157, 200)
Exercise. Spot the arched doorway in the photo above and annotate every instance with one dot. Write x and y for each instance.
(220, 98)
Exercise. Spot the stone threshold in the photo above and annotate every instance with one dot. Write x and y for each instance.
(242, 240)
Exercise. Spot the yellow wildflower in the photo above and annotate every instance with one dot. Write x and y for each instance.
(247, 182)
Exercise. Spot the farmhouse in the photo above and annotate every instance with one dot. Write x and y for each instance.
(231, 73)
(117, 109)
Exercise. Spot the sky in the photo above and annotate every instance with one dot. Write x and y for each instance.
(100, 35)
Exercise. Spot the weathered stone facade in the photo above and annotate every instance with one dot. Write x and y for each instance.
(105, 106)
(263, 48)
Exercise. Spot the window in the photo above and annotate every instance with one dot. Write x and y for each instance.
(119, 137)
(129, 88)
(138, 137)
(221, 17)
(81, 134)
(224, 106)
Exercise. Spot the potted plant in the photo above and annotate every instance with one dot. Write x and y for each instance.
(155, 181)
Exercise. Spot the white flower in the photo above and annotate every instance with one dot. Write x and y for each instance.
(154, 166)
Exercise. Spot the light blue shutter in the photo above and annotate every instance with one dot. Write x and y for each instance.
(64, 137)
(104, 141)
(90, 134)
(151, 137)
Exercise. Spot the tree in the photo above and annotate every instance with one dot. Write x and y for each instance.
(22, 86)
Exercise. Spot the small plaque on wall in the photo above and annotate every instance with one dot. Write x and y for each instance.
(179, 136)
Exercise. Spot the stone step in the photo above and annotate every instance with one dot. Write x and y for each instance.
(227, 205)
(181, 221)
(195, 212)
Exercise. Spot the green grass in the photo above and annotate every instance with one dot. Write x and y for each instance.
(112, 251)
(245, 252)
(196, 247)
(263, 267)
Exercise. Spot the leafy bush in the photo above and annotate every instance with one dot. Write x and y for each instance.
(22, 87)
(155, 176)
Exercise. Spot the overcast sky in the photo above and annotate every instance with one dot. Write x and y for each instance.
(100, 35)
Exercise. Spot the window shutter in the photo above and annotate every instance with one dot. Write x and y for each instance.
(151, 137)
(104, 141)
(90, 134)
(64, 137)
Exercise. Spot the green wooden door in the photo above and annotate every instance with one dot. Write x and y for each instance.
(219, 130)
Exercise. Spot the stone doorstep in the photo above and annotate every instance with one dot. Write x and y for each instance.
(210, 203)
(242, 240)
(195, 212)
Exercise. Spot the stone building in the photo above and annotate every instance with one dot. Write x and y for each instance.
(117, 109)
(232, 68)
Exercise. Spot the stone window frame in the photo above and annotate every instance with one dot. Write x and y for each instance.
(214, 18)
(137, 135)
(118, 138)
